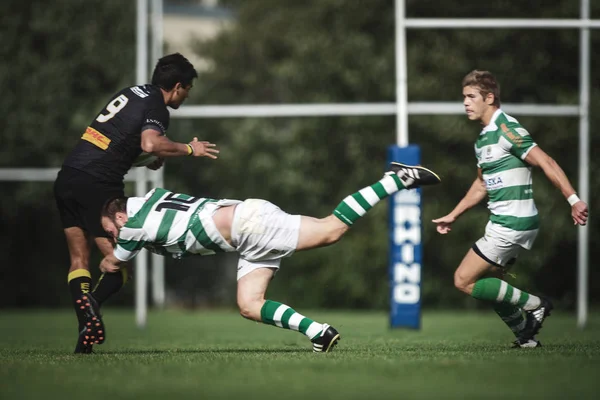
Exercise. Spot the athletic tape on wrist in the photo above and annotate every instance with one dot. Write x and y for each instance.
(573, 199)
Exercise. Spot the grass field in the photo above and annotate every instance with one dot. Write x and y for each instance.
(219, 355)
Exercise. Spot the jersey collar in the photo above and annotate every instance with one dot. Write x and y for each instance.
(492, 125)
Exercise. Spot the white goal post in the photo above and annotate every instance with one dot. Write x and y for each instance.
(401, 108)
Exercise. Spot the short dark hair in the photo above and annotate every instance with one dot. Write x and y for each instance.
(486, 82)
(114, 205)
(173, 69)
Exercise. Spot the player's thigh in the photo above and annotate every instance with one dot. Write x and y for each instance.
(66, 187)
(471, 268)
(489, 256)
(92, 201)
(319, 232)
(261, 231)
(80, 198)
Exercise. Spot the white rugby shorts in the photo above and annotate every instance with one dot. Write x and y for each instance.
(263, 234)
(497, 251)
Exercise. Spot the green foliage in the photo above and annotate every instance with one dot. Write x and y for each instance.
(339, 51)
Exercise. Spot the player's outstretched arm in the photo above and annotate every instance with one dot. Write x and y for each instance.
(538, 158)
(154, 142)
(476, 193)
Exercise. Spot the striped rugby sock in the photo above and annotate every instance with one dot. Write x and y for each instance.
(356, 205)
(277, 314)
(511, 315)
(498, 291)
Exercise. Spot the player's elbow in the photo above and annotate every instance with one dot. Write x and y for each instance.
(148, 146)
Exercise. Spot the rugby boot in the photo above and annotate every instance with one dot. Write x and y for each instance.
(83, 346)
(526, 343)
(327, 340)
(93, 331)
(535, 318)
(413, 176)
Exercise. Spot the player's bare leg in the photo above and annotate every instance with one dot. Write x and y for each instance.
(320, 232)
(253, 305)
(483, 281)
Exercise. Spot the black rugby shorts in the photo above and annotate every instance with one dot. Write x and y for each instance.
(80, 197)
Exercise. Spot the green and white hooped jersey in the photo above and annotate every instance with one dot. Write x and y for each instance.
(501, 150)
(168, 223)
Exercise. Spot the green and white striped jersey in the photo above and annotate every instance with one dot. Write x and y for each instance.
(171, 223)
(501, 150)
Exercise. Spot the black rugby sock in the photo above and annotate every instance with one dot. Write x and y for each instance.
(109, 284)
(80, 282)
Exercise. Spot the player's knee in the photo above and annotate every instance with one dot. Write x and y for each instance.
(332, 237)
(333, 233)
(460, 282)
(249, 308)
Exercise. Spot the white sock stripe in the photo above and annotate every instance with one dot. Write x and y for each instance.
(353, 204)
(502, 292)
(314, 329)
(532, 303)
(278, 314)
(389, 184)
(516, 295)
(295, 320)
(370, 196)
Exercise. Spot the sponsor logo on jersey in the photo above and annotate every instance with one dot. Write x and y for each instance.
(488, 153)
(96, 138)
(156, 122)
(494, 183)
(515, 139)
(139, 91)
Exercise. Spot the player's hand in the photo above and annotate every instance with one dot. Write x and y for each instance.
(579, 212)
(156, 164)
(107, 266)
(204, 149)
(444, 224)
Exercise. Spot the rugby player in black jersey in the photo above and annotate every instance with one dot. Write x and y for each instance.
(131, 127)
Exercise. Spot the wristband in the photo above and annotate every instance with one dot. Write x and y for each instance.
(572, 199)
(190, 149)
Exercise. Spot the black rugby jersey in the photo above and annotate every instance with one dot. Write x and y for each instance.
(111, 143)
